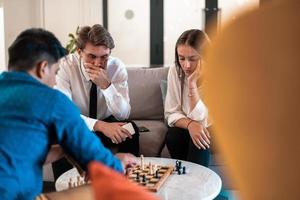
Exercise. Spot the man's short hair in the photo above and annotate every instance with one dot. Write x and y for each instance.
(97, 35)
(33, 46)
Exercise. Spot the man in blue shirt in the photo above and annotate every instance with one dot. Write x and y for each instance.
(33, 116)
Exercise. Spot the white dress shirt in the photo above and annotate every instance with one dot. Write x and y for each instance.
(74, 82)
(173, 109)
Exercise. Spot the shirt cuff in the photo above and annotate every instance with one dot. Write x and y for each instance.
(173, 118)
(199, 113)
(110, 91)
(89, 122)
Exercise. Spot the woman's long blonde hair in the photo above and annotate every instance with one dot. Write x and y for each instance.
(198, 40)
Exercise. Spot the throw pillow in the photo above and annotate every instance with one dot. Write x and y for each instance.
(163, 88)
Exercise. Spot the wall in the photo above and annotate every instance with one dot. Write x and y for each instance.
(131, 33)
(65, 18)
(19, 15)
(180, 15)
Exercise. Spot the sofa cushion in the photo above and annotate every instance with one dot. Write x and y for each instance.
(144, 92)
(152, 142)
(164, 88)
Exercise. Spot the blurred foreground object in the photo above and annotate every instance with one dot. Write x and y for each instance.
(252, 90)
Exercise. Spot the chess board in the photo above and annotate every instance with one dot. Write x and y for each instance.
(151, 182)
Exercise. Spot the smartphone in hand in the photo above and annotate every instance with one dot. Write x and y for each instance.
(129, 128)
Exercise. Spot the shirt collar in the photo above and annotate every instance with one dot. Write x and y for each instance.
(82, 69)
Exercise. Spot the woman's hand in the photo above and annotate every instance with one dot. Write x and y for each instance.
(193, 78)
(199, 134)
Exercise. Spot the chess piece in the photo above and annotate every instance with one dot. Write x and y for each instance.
(156, 174)
(154, 169)
(142, 162)
(150, 169)
(78, 181)
(183, 170)
(70, 183)
(144, 178)
(137, 176)
(176, 164)
(179, 171)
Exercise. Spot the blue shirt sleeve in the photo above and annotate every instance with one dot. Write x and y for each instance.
(75, 137)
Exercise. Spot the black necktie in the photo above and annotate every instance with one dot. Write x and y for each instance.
(93, 101)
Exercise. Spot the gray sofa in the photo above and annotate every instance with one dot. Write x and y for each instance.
(147, 106)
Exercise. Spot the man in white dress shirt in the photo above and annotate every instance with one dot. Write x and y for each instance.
(92, 68)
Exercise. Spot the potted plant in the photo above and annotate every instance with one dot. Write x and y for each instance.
(71, 45)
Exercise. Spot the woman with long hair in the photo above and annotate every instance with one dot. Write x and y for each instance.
(187, 137)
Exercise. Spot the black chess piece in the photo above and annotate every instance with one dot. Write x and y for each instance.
(137, 176)
(183, 170)
(179, 171)
(144, 178)
(156, 174)
(179, 164)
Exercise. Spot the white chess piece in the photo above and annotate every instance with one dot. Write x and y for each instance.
(142, 162)
(150, 168)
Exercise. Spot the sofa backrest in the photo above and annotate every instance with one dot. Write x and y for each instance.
(145, 93)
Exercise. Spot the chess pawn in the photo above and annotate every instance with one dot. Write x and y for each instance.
(156, 174)
(78, 181)
(183, 170)
(70, 183)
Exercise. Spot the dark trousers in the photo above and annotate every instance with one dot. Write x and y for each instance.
(128, 146)
(181, 146)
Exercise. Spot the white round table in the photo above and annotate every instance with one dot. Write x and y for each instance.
(198, 183)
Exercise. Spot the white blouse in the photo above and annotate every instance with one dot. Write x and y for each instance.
(173, 109)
